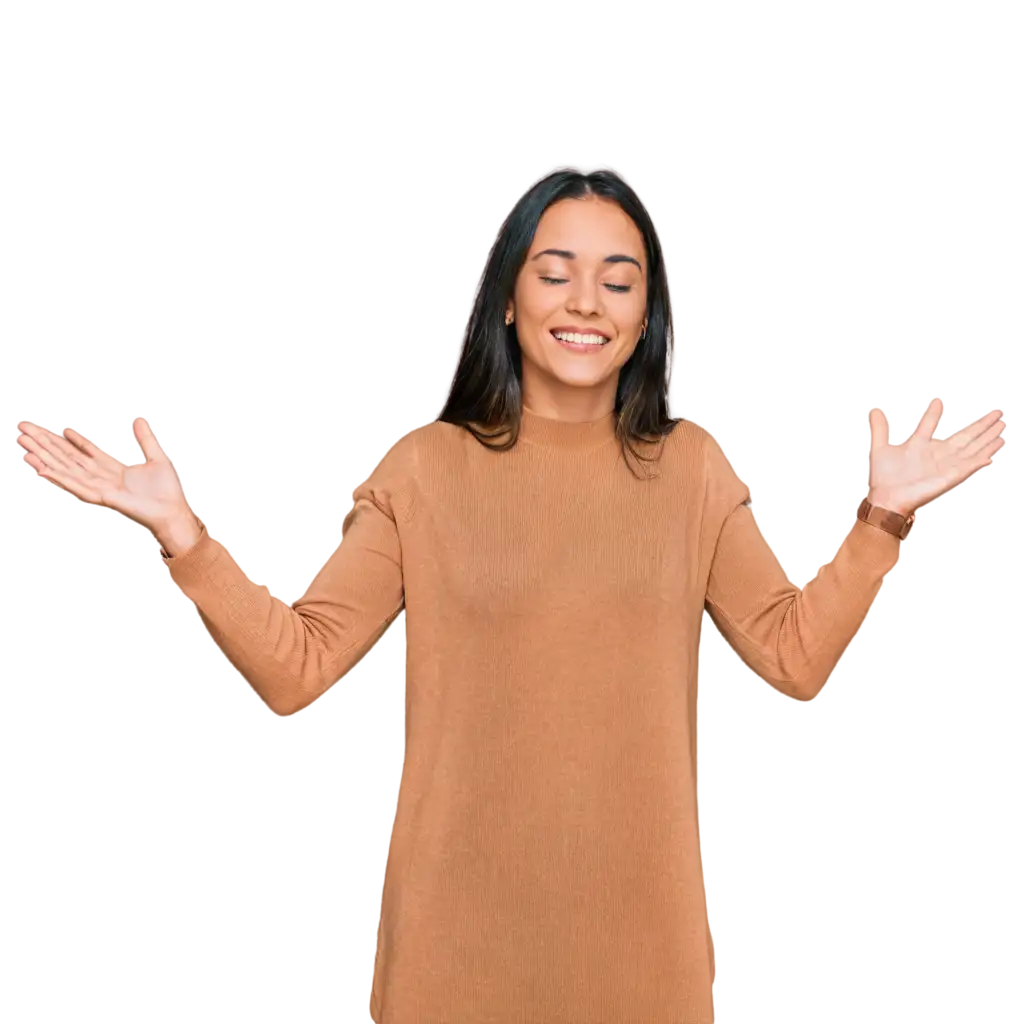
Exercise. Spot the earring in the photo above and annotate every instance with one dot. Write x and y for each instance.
(643, 329)
(509, 317)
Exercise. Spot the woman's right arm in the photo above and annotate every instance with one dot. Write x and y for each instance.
(290, 654)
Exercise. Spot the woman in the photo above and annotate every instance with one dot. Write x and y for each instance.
(554, 537)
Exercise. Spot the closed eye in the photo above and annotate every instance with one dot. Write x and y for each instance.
(610, 287)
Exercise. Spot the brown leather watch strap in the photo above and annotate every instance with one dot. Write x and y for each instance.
(885, 519)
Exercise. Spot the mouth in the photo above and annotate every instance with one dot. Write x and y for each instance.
(580, 341)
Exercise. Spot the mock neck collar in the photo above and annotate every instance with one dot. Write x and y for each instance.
(573, 434)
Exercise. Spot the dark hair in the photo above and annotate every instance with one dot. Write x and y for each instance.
(486, 397)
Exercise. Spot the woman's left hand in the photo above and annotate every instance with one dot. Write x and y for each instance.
(904, 477)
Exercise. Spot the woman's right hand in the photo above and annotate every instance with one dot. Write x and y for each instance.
(150, 493)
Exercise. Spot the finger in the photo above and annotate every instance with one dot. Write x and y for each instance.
(38, 444)
(974, 431)
(79, 468)
(73, 455)
(930, 420)
(982, 440)
(983, 458)
(62, 451)
(879, 428)
(83, 444)
(147, 440)
(62, 480)
(990, 449)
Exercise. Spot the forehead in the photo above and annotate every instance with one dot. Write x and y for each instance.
(593, 227)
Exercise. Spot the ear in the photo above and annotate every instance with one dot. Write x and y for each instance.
(509, 307)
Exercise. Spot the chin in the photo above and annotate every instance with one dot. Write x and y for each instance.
(568, 366)
(582, 379)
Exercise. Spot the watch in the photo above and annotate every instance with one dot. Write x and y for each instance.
(885, 519)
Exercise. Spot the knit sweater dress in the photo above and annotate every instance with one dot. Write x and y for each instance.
(545, 862)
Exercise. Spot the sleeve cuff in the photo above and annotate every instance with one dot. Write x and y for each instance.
(191, 562)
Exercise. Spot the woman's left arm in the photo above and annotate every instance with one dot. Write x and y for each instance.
(792, 637)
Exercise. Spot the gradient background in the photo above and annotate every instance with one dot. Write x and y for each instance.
(254, 228)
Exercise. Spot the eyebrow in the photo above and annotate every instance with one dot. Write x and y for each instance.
(566, 254)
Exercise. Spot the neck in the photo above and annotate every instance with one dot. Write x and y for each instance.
(554, 400)
(553, 432)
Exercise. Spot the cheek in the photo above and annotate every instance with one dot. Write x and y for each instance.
(533, 311)
(630, 312)
(537, 303)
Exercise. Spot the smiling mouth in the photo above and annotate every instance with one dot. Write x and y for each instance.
(579, 338)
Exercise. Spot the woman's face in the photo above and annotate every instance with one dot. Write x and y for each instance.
(586, 272)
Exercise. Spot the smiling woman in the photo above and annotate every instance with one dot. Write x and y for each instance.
(545, 860)
(574, 283)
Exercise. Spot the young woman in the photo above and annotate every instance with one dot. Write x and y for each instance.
(554, 538)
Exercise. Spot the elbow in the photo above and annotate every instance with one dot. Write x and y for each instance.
(802, 688)
(314, 679)
(279, 705)
(288, 692)
(786, 664)
(802, 680)
(808, 688)
(294, 698)
(282, 700)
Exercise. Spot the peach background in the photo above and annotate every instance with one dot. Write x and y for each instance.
(254, 227)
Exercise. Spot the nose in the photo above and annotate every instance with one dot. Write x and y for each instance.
(584, 298)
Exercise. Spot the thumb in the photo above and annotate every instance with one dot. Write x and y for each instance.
(147, 440)
(879, 428)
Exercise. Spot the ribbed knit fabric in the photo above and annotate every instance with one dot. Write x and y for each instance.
(545, 862)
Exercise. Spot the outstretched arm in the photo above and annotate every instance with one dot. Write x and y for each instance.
(793, 637)
(289, 653)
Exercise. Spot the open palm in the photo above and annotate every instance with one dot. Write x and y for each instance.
(906, 476)
(149, 493)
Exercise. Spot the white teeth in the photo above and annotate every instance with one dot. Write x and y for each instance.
(580, 339)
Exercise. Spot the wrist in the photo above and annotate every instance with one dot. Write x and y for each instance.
(874, 511)
(178, 534)
(881, 500)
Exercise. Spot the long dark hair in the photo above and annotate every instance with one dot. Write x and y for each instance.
(486, 396)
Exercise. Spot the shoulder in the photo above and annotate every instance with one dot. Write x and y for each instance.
(684, 447)
(393, 481)
(699, 458)
(404, 473)
(686, 433)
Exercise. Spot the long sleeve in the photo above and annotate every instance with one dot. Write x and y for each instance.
(290, 655)
(791, 637)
